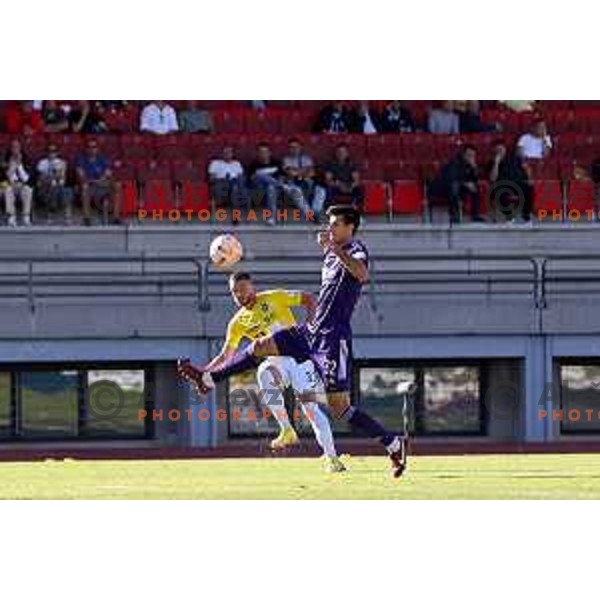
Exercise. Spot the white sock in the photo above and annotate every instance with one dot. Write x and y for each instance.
(320, 424)
(394, 446)
(272, 400)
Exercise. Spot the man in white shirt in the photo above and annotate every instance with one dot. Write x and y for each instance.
(536, 144)
(226, 176)
(159, 118)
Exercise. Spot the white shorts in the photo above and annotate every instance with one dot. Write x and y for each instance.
(301, 377)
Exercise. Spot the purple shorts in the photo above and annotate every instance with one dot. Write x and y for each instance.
(331, 353)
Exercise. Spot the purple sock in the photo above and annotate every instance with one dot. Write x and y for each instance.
(367, 424)
(240, 362)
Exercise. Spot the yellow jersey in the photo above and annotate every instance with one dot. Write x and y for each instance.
(271, 312)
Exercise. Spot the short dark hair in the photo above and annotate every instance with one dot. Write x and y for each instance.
(349, 213)
(468, 147)
(294, 140)
(239, 276)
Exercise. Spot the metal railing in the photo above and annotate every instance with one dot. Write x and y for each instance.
(131, 276)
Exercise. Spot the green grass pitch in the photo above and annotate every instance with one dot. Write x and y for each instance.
(457, 477)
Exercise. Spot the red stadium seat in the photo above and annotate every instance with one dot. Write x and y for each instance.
(548, 197)
(262, 122)
(129, 195)
(187, 171)
(137, 146)
(376, 198)
(153, 170)
(195, 196)
(581, 195)
(157, 194)
(123, 171)
(407, 197)
(228, 121)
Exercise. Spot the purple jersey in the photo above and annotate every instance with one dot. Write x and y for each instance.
(339, 293)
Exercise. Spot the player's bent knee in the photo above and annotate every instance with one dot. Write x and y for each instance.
(269, 375)
(338, 403)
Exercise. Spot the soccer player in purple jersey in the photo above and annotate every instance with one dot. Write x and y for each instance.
(327, 340)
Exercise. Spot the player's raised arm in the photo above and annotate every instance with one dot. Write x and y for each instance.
(354, 261)
(338, 239)
(356, 265)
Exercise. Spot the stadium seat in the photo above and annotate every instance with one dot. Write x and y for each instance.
(195, 195)
(157, 194)
(228, 121)
(137, 146)
(153, 170)
(548, 196)
(376, 198)
(580, 195)
(130, 197)
(407, 197)
(263, 122)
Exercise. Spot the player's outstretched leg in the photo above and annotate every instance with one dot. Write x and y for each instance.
(322, 429)
(242, 361)
(271, 383)
(364, 423)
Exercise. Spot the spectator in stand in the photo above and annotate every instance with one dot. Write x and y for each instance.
(16, 184)
(55, 118)
(511, 188)
(52, 190)
(195, 120)
(299, 169)
(443, 119)
(458, 181)
(96, 184)
(334, 118)
(397, 118)
(267, 178)
(363, 119)
(470, 119)
(117, 115)
(22, 117)
(537, 144)
(84, 118)
(226, 178)
(342, 180)
(159, 118)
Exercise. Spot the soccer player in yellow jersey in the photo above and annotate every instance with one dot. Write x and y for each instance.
(263, 313)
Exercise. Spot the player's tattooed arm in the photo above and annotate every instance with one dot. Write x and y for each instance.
(355, 266)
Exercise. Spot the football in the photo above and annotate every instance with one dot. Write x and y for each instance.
(225, 251)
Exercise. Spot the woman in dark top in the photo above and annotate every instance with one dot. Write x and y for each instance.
(511, 191)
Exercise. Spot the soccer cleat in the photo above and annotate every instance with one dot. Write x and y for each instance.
(334, 465)
(200, 380)
(287, 437)
(398, 456)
